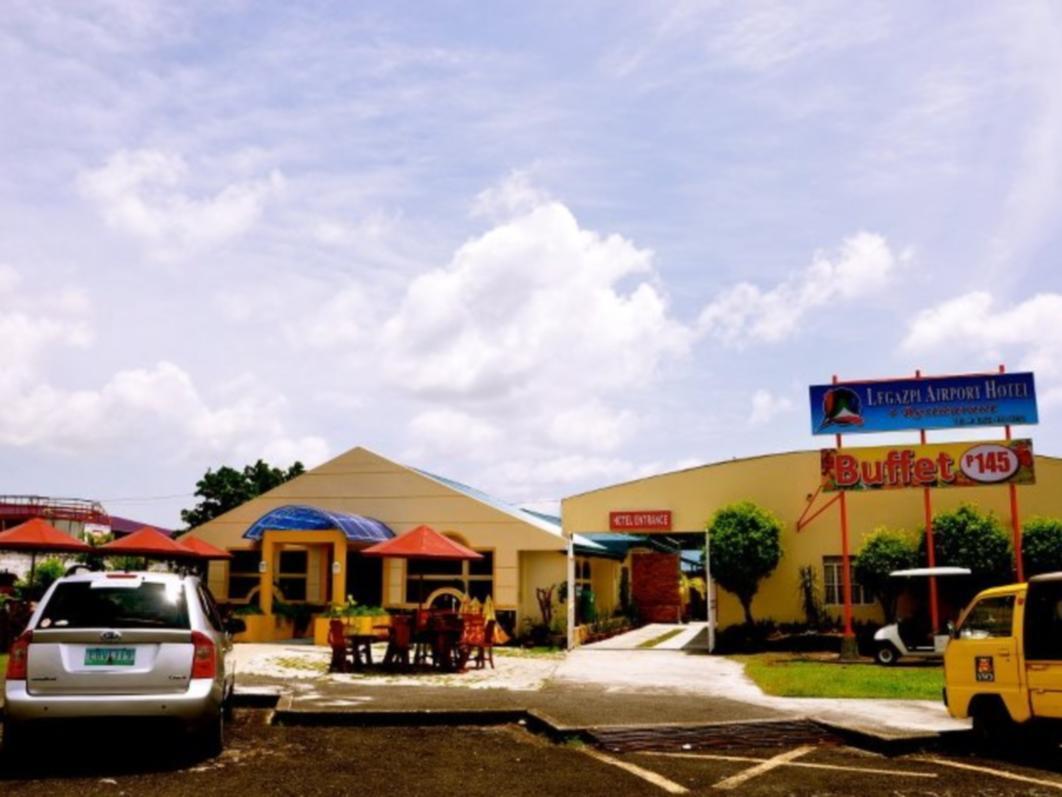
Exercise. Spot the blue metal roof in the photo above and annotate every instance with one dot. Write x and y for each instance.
(545, 522)
(297, 517)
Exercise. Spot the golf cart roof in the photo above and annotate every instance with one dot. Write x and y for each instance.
(925, 572)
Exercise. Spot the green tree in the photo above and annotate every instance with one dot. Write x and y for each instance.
(227, 488)
(885, 550)
(1041, 545)
(746, 547)
(971, 538)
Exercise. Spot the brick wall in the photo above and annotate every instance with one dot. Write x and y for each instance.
(655, 586)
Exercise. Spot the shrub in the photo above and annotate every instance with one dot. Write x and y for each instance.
(884, 551)
(974, 539)
(47, 572)
(1041, 545)
(746, 548)
(809, 596)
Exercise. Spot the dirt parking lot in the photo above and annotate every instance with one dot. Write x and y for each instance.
(262, 759)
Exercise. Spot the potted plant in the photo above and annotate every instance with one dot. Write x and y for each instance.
(258, 626)
(358, 618)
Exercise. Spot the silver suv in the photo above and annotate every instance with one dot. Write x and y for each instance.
(122, 645)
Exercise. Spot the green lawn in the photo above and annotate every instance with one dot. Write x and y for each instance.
(530, 653)
(664, 637)
(795, 676)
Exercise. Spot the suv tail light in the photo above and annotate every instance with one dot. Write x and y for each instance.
(204, 656)
(18, 657)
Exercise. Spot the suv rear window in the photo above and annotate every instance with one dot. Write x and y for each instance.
(148, 605)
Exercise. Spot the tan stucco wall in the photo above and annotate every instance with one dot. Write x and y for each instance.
(540, 569)
(364, 483)
(781, 483)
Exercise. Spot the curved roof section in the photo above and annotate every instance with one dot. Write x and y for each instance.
(299, 517)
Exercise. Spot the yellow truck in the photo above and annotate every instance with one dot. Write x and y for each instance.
(1003, 664)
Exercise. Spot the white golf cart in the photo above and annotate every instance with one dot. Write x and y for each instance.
(913, 637)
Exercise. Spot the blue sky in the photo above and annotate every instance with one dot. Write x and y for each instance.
(535, 247)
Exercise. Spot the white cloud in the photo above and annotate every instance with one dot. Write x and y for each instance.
(29, 324)
(139, 193)
(344, 319)
(534, 305)
(592, 426)
(1031, 329)
(158, 407)
(765, 406)
(445, 431)
(373, 228)
(863, 264)
(514, 195)
(766, 34)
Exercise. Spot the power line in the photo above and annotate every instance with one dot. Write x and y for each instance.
(144, 499)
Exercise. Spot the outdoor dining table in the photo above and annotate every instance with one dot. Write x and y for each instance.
(442, 633)
(359, 642)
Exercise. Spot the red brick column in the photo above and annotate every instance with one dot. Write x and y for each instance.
(655, 586)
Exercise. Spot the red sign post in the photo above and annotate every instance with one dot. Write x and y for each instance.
(973, 400)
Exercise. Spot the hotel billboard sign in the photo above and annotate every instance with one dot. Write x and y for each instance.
(971, 464)
(944, 402)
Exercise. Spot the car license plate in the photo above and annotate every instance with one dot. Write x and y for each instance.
(120, 657)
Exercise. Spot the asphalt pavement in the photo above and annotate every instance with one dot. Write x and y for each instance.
(265, 760)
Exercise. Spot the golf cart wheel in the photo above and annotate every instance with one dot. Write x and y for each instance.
(886, 655)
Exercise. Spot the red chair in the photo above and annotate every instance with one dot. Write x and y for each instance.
(399, 641)
(473, 634)
(422, 636)
(338, 642)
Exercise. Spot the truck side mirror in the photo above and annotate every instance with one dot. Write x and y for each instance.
(953, 632)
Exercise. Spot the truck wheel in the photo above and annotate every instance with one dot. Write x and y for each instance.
(993, 729)
(886, 655)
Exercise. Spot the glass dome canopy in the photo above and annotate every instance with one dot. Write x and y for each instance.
(299, 517)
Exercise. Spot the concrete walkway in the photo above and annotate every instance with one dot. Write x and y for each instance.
(589, 686)
(717, 677)
(689, 636)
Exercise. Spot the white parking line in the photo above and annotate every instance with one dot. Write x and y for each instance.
(764, 766)
(999, 773)
(906, 773)
(645, 774)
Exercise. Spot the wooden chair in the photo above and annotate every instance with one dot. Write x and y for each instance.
(399, 642)
(473, 635)
(486, 649)
(422, 636)
(338, 642)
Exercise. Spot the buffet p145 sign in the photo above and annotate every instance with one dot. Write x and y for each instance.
(939, 465)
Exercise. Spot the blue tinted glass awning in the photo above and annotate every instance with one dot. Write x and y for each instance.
(297, 517)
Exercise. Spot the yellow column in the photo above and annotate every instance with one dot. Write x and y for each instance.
(339, 575)
(265, 584)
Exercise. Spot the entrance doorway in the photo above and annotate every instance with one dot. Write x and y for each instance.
(364, 579)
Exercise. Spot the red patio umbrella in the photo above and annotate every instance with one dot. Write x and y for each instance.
(203, 548)
(149, 543)
(37, 536)
(423, 542)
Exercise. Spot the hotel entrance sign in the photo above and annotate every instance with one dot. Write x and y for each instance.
(939, 402)
(644, 520)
